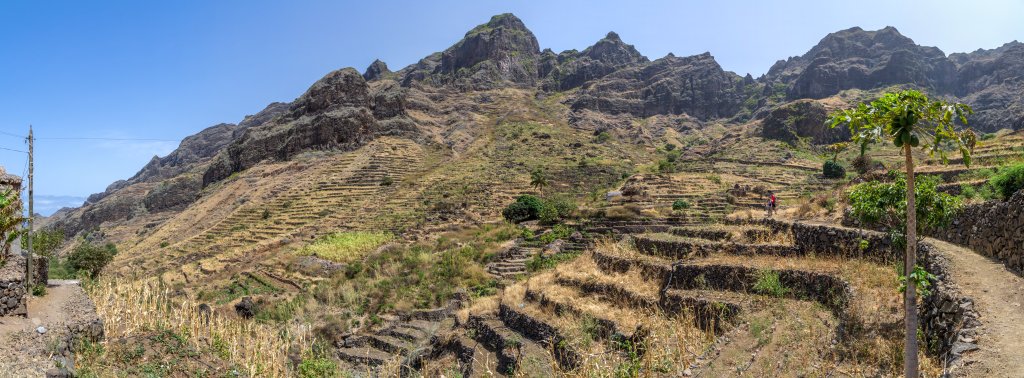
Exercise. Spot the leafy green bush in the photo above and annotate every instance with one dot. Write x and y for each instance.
(1008, 180)
(559, 231)
(665, 166)
(564, 206)
(90, 258)
(44, 242)
(548, 215)
(548, 211)
(680, 204)
(831, 169)
(525, 208)
(602, 137)
(884, 204)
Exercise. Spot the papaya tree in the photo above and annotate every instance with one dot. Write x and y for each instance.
(909, 119)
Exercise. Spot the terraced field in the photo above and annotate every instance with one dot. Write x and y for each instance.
(696, 300)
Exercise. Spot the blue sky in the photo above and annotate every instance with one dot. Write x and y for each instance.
(165, 70)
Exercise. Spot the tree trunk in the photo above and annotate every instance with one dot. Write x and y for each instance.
(909, 297)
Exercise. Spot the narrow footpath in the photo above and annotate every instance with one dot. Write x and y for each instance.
(998, 296)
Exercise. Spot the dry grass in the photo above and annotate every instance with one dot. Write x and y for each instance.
(142, 308)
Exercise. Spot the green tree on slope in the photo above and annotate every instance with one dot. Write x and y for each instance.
(909, 119)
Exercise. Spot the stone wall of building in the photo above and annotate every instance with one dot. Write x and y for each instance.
(12, 287)
(994, 229)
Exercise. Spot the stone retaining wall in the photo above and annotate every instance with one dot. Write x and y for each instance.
(948, 318)
(685, 249)
(543, 333)
(994, 229)
(13, 298)
(832, 292)
(835, 241)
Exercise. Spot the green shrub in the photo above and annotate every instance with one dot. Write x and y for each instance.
(831, 169)
(318, 368)
(602, 137)
(564, 206)
(517, 212)
(768, 283)
(548, 211)
(90, 258)
(988, 136)
(665, 166)
(673, 155)
(559, 231)
(44, 242)
(1008, 180)
(387, 181)
(680, 204)
(548, 215)
(885, 204)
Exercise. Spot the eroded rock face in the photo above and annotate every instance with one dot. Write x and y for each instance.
(499, 53)
(695, 85)
(991, 81)
(802, 119)
(176, 193)
(340, 111)
(988, 80)
(856, 58)
(376, 70)
(572, 69)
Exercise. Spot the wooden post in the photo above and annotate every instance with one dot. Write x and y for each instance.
(30, 257)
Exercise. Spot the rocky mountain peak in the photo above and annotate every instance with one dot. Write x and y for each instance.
(612, 50)
(342, 88)
(502, 50)
(376, 70)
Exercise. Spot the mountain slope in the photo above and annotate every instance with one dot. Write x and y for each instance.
(476, 118)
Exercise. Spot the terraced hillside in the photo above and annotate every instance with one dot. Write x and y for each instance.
(706, 301)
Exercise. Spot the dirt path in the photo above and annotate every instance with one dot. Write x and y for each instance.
(998, 296)
(24, 352)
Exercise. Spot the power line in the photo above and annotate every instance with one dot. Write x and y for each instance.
(13, 135)
(113, 139)
(11, 149)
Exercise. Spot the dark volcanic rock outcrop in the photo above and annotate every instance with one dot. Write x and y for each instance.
(499, 53)
(337, 112)
(989, 80)
(802, 119)
(695, 85)
(992, 81)
(376, 70)
(571, 69)
(855, 58)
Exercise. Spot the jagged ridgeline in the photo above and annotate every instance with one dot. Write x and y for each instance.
(442, 99)
(410, 170)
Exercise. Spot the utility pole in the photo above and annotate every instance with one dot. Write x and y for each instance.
(28, 260)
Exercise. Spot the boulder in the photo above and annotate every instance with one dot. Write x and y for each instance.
(246, 308)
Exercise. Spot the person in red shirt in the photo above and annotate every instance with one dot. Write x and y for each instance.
(771, 203)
